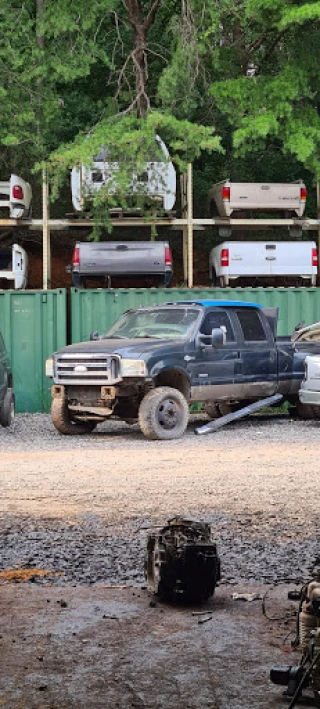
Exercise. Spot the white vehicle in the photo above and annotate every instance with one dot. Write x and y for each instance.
(16, 195)
(265, 261)
(156, 181)
(309, 392)
(227, 199)
(14, 266)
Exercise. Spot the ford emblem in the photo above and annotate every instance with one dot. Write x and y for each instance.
(80, 368)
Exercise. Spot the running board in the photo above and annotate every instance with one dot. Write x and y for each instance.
(256, 406)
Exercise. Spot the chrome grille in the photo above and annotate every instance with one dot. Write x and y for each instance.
(86, 369)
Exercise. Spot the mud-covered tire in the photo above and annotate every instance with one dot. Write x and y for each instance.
(212, 410)
(225, 407)
(7, 410)
(305, 411)
(62, 420)
(163, 414)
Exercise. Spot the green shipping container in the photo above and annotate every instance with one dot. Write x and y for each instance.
(33, 324)
(98, 309)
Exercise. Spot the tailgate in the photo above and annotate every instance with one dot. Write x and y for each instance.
(122, 258)
(266, 195)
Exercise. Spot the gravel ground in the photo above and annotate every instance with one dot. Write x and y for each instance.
(81, 507)
(82, 632)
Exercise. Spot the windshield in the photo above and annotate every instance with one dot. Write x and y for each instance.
(161, 323)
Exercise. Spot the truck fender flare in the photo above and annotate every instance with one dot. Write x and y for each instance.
(173, 376)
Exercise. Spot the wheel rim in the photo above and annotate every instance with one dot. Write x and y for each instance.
(169, 414)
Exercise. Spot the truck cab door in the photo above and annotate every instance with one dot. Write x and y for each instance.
(214, 371)
(259, 365)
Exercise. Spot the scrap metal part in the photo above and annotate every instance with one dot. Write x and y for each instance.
(241, 413)
(182, 560)
(307, 673)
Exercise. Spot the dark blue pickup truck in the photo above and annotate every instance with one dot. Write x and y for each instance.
(154, 361)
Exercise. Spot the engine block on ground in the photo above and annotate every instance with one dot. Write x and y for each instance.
(182, 560)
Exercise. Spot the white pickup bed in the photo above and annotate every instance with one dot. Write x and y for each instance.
(228, 198)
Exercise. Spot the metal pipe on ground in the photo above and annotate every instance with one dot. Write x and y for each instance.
(241, 413)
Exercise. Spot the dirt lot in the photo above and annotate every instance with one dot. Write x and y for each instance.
(93, 640)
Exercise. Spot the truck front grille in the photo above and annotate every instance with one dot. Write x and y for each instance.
(86, 369)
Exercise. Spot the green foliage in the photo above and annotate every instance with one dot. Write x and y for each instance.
(39, 57)
(68, 85)
(133, 138)
(298, 15)
(130, 143)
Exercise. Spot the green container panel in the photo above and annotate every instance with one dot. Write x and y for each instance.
(33, 324)
(98, 309)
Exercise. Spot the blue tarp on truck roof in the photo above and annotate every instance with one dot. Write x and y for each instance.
(223, 303)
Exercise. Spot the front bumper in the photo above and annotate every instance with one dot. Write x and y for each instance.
(308, 396)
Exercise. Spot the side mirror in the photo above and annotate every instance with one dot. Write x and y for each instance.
(216, 340)
(94, 335)
(218, 337)
(68, 269)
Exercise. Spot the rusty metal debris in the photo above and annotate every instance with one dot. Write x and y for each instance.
(246, 597)
(182, 561)
(24, 575)
(305, 675)
(205, 619)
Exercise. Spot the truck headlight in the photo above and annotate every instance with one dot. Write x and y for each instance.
(49, 367)
(133, 368)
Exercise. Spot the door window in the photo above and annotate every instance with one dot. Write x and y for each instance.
(251, 325)
(217, 318)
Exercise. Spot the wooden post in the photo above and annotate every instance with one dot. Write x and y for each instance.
(190, 226)
(184, 214)
(46, 252)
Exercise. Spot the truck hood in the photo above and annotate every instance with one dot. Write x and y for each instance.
(310, 333)
(135, 348)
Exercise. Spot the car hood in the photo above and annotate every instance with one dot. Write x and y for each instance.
(307, 334)
(134, 348)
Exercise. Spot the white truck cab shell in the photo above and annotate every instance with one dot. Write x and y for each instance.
(263, 260)
(16, 195)
(228, 198)
(14, 266)
(157, 181)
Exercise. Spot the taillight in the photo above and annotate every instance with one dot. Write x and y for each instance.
(226, 193)
(303, 194)
(314, 257)
(225, 257)
(167, 256)
(76, 256)
(17, 192)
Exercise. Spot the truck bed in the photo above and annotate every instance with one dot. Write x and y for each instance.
(227, 197)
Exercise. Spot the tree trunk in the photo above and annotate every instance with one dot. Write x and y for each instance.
(141, 71)
(140, 28)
